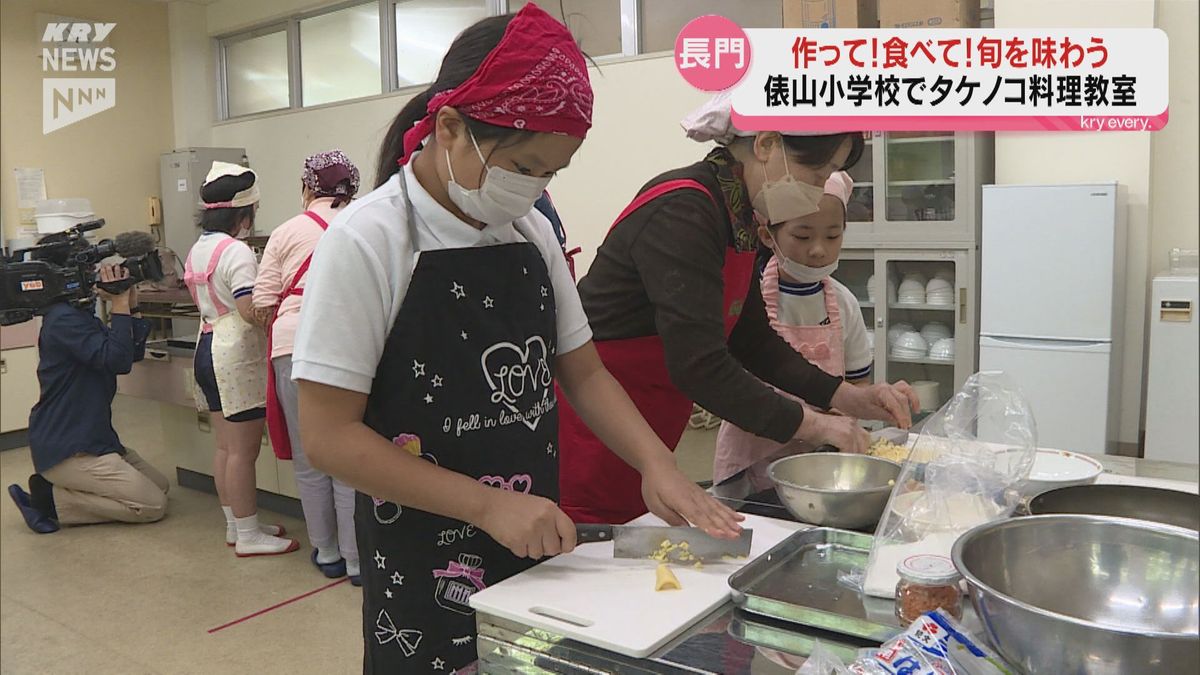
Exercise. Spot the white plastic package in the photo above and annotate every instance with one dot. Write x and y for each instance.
(933, 645)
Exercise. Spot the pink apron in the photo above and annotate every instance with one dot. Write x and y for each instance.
(822, 346)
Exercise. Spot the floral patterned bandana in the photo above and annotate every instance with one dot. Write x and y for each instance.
(729, 172)
(331, 174)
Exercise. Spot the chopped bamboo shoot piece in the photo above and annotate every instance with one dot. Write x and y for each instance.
(665, 579)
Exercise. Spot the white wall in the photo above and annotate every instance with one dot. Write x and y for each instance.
(1074, 157)
(635, 136)
(192, 83)
(1175, 167)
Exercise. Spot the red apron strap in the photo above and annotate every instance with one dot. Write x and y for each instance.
(291, 288)
(660, 190)
(318, 219)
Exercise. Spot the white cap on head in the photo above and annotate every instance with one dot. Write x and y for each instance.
(244, 198)
(713, 121)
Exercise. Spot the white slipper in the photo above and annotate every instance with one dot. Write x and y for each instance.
(265, 544)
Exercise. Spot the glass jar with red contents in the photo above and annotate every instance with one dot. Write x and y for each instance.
(927, 582)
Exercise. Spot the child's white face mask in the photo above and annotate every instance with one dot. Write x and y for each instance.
(501, 198)
(800, 272)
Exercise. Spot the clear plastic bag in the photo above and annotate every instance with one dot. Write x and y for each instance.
(964, 470)
(822, 662)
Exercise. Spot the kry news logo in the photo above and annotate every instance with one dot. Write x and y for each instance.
(75, 48)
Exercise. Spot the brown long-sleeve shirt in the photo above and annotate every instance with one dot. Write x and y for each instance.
(659, 272)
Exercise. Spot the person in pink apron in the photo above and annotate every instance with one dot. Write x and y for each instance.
(330, 180)
(439, 313)
(678, 316)
(817, 315)
(231, 351)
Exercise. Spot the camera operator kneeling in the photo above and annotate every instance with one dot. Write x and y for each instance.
(84, 474)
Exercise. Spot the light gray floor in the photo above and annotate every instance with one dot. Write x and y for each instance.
(136, 599)
(139, 599)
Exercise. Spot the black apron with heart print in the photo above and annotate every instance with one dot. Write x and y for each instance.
(465, 382)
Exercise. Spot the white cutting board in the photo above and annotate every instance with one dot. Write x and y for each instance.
(612, 604)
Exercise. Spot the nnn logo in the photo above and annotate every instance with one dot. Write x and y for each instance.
(76, 48)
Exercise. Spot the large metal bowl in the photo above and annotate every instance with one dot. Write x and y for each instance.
(1169, 507)
(1086, 594)
(835, 489)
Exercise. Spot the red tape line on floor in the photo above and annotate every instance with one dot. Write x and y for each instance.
(278, 605)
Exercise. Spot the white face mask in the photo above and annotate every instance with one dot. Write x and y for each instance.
(802, 273)
(503, 196)
(784, 199)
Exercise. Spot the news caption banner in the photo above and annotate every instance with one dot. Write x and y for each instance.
(931, 80)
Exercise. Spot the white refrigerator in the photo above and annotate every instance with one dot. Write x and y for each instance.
(1051, 299)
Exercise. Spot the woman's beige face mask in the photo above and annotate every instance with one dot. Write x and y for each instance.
(785, 198)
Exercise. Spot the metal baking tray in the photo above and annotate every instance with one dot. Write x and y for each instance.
(797, 581)
(768, 633)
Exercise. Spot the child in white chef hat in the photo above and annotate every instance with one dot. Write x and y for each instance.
(817, 315)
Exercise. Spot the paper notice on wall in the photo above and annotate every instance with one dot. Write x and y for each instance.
(31, 187)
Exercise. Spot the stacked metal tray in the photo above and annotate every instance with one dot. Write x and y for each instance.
(798, 581)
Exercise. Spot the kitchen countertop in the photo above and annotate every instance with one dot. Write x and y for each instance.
(728, 641)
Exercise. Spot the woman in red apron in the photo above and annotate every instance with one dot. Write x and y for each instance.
(328, 183)
(438, 314)
(678, 316)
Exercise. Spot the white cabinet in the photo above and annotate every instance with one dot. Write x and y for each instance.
(919, 189)
(916, 210)
(953, 314)
(18, 387)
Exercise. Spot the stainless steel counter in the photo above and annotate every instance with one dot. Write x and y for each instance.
(728, 641)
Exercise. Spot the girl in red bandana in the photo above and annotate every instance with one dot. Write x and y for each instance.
(438, 315)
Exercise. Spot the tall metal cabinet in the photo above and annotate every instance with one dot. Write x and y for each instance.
(916, 212)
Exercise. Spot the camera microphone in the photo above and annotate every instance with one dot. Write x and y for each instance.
(141, 259)
(134, 244)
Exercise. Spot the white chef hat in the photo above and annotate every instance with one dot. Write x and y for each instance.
(713, 121)
(244, 197)
(840, 185)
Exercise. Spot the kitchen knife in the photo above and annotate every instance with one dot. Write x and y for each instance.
(644, 541)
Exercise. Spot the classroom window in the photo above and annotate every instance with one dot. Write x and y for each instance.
(424, 31)
(339, 55)
(596, 24)
(661, 20)
(256, 73)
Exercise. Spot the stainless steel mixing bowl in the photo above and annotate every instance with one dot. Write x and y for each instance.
(835, 489)
(1169, 507)
(1086, 594)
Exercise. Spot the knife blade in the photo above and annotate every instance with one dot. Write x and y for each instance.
(645, 541)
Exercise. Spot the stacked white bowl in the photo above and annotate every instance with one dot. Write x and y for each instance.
(912, 290)
(873, 292)
(898, 329)
(934, 331)
(942, 350)
(940, 291)
(910, 345)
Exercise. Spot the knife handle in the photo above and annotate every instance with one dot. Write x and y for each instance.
(591, 534)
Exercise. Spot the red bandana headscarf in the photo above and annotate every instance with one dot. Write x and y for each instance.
(535, 79)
